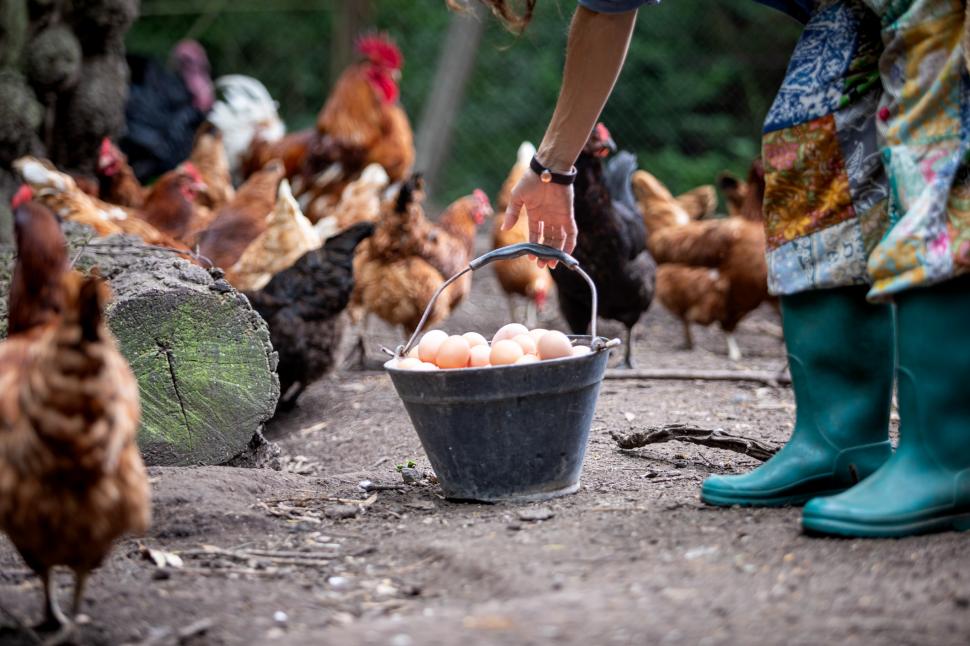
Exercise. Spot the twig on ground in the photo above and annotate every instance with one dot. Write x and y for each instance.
(369, 486)
(195, 628)
(715, 438)
(379, 462)
(760, 376)
(280, 558)
(303, 502)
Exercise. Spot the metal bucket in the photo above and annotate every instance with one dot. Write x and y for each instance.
(508, 433)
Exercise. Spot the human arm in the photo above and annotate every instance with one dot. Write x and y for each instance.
(596, 49)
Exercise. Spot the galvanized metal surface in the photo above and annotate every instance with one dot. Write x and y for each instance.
(506, 433)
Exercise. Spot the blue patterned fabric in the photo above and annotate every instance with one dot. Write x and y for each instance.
(816, 74)
(615, 6)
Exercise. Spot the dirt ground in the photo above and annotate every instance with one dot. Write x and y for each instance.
(304, 556)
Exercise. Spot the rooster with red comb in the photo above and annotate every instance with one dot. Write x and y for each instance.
(361, 123)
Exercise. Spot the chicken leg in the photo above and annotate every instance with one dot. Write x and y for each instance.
(688, 337)
(54, 617)
(510, 299)
(288, 399)
(80, 579)
(531, 314)
(628, 351)
(734, 351)
(357, 359)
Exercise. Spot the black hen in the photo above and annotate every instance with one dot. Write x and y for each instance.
(619, 170)
(164, 109)
(611, 246)
(303, 305)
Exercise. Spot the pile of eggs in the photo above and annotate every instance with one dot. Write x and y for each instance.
(513, 344)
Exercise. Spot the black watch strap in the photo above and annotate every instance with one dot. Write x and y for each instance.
(546, 176)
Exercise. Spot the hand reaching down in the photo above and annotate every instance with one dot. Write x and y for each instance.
(550, 212)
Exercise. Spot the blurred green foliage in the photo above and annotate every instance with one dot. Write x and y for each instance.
(699, 78)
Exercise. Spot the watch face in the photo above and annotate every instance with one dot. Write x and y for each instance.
(546, 176)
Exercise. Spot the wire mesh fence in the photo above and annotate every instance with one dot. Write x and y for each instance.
(699, 77)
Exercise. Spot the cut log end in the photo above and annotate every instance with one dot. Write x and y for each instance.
(205, 366)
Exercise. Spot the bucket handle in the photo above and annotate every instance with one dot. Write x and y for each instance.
(509, 253)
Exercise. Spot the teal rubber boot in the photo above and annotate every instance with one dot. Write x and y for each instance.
(925, 486)
(840, 353)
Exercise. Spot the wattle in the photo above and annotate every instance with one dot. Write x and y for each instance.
(384, 85)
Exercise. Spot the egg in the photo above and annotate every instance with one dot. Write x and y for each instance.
(479, 356)
(505, 352)
(424, 366)
(453, 353)
(527, 358)
(509, 331)
(527, 342)
(580, 350)
(408, 363)
(474, 338)
(537, 333)
(413, 352)
(554, 345)
(430, 342)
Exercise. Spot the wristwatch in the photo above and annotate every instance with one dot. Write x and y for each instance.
(546, 176)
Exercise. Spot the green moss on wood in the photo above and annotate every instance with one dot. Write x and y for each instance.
(203, 359)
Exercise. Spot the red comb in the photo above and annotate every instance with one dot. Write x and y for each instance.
(602, 132)
(482, 197)
(23, 195)
(106, 147)
(380, 49)
(193, 172)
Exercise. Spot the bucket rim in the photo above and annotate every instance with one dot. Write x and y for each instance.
(605, 345)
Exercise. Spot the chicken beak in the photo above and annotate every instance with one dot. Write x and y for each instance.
(607, 148)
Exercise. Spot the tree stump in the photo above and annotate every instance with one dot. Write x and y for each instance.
(202, 356)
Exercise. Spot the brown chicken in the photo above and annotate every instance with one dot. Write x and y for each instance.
(408, 258)
(292, 149)
(243, 219)
(521, 276)
(710, 271)
(744, 198)
(58, 192)
(288, 236)
(71, 477)
(209, 158)
(361, 123)
(359, 202)
(700, 202)
(117, 182)
(179, 203)
(171, 204)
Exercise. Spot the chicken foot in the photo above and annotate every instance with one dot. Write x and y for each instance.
(54, 617)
